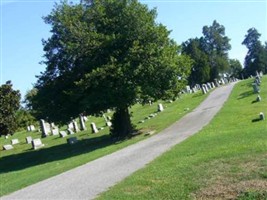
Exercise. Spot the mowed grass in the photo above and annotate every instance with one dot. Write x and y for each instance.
(226, 160)
(23, 166)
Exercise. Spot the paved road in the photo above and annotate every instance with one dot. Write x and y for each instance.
(89, 180)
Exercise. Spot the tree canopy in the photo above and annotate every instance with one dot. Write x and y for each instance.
(235, 68)
(9, 104)
(200, 72)
(256, 58)
(209, 53)
(106, 54)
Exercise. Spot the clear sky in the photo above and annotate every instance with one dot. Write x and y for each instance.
(22, 29)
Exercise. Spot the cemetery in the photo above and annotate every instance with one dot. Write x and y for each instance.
(121, 110)
(85, 140)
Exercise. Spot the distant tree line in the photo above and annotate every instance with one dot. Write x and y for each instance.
(210, 55)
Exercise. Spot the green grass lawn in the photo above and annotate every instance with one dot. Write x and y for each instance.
(23, 166)
(226, 160)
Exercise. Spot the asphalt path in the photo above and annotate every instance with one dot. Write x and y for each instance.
(95, 177)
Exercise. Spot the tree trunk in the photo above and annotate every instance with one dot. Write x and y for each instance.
(121, 123)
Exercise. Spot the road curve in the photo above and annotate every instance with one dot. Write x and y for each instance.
(89, 180)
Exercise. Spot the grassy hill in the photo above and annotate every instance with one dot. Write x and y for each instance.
(226, 160)
(23, 166)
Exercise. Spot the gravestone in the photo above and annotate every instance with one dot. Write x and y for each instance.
(32, 128)
(55, 131)
(6, 137)
(203, 90)
(70, 131)
(258, 98)
(109, 118)
(262, 117)
(256, 89)
(209, 86)
(63, 134)
(206, 87)
(75, 126)
(188, 89)
(85, 118)
(82, 123)
(29, 140)
(52, 125)
(160, 108)
(28, 128)
(152, 115)
(109, 124)
(14, 141)
(94, 129)
(44, 128)
(257, 81)
(72, 140)
(70, 126)
(37, 143)
(212, 84)
(8, 147)
(216, 83)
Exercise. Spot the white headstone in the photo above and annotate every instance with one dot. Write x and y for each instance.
(188, 89)
(8, 147)
(55, 131)
(37, 143)
(28, 128)
(108, 123)
(82, 124)
(85, 118)
(70, 125)
(63, 133)
(94, 129)
(255, 88)
(203, 90)
(14, 141)
(75, 126)
(44, 128)
(32, 128)
(70, 131)
(29, 139)
(160, 108)
(262, 117)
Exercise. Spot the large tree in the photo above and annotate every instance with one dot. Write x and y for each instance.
(106, 54)
(200, 71)
(9, 104)
(216, 45)
(235, 68)
(256, 58)
(209, 53)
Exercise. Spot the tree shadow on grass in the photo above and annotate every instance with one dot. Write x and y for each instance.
(245, 94)
(256, 120)
(255, 101)
(32, 158)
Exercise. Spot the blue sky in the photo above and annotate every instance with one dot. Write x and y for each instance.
(22, 29)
